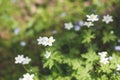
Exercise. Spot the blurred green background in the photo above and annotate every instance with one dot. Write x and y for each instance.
(23, 21)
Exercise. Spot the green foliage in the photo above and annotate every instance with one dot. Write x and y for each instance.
(88, 36)
(74, 54)
(108, 36)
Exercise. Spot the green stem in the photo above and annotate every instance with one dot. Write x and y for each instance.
(25, 68)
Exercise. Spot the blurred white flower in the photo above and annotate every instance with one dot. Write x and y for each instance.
(28, 76)
(46, 41)
(118, 67)
(107, 19)
(111, 32)
(26, 60)
(119, 40)
(47, 55)
(103, 57)
(20, 79)
(110, 58)
(19, 59)
(92, 17)
(23, 43)
(103, 54)
(104, 60)
(68, 26)
(88, 24)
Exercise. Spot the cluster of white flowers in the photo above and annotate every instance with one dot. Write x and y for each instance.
(47, 55)
(46, 41)
(20, 59)
(68, 26)
(27, 76)
(103, 57)
(92, 18)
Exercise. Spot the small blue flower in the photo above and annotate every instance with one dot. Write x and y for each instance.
(117, 48)
(16, 31)
(76, 28)
(80, 23)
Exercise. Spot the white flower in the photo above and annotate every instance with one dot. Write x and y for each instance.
(102, 54)
(23, 43)
(50, 41)
(46, 41)
(20, 79)
(47, 55)
(26, 60)
(107, 19)
(42, 40)
(92, 17)
(28, 76)
(118, 67)
(110, 57)
(19, 59)
(88, 24)
(68, 26)
(103, 57)
(104, 60)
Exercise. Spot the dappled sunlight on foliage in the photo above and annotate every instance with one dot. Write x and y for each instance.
(59, 39)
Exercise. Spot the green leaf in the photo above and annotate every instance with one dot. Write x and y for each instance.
(91, 56)
(106, 68)
(34, 69)
(75, 64)
(56, 56)
(104, 77)
(49, 64)
(88, 36)
(108, 36)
